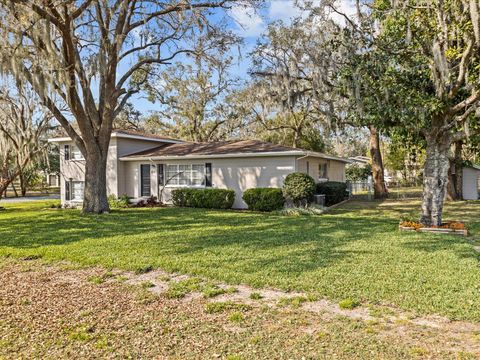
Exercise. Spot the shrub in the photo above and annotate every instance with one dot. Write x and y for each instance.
(298, 188)
(264, 199)
(52, 206)
(204, 198)
(334, 191)
(122, 202)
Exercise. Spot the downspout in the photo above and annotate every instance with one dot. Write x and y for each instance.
(300, 158)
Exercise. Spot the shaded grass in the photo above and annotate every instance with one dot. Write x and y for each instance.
(355, 251)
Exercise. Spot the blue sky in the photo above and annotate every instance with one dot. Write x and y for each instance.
(249, 24)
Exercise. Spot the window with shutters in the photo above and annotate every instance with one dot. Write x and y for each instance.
(76, 190)
(75, 153)
(185, 174)
(72, 152)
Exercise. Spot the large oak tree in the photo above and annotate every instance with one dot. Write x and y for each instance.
(90, 57)
(415, 66)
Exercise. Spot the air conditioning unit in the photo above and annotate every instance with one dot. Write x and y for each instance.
(319, 199)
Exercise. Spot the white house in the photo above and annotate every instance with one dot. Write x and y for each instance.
(140, 165)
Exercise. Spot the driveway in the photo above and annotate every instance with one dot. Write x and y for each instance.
(30, 198)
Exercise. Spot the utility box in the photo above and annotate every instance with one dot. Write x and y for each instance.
(319, 199)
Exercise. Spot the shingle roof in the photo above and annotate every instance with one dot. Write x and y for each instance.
(213, 148)
(142, 134)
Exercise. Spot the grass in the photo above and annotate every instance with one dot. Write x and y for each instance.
(295, 301)
(76, 316)
(256, 296)
(348, 304)
(219, 307)
(352, 252)
(180, 289)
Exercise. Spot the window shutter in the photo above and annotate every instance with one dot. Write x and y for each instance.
(67, 189)
(66, 150)
(161, 175)
(145, 180)
(208, 174)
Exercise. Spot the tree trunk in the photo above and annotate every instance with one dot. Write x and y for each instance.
(23, 184)
(4, 183)
(14, 189)
(455, 174)
(3, 188)
(95, 192)
(435, 179)
(379, 188)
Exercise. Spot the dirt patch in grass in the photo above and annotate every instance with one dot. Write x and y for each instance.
(51, 311)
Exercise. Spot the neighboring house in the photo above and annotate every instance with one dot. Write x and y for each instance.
(141, 165)
(360, 160)
(471, 182)
(363, 161)
(52, 180)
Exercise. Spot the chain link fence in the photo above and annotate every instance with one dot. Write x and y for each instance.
(364, 190)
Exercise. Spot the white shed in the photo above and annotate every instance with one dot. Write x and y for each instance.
(471, 182)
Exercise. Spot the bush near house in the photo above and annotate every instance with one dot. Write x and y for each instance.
(264, 199)
(334, 192)
(117, 203)
(298, 188)
(204, 198)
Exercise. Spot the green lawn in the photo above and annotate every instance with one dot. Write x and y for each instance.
(353, 252)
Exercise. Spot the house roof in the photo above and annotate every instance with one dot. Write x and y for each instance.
(233, 148)
(474, 166)
(128, 134)
(360, 159)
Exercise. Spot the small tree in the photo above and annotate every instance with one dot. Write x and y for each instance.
(22, 127)
(355, 172)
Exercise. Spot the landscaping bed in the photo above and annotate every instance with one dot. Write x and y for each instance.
(449, 227)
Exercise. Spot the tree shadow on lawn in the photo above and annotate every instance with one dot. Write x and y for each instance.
(315, 241)
(285, 245)
(460, 245)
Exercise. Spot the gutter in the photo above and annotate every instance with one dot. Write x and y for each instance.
(216, 156)
(123, 136)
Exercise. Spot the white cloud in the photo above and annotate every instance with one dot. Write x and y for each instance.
(346, 7)
(249, 23)
(284, 10)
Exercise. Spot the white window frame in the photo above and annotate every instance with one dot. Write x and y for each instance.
(320, 172)
(75, 153)
(174, 182)
(72, 192)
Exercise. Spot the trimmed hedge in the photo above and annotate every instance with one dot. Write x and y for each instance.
(334, 191)
(298, 188)
(204, 198)
(264, 199)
